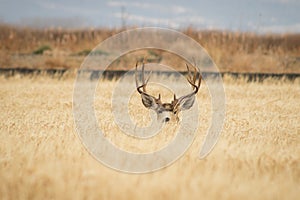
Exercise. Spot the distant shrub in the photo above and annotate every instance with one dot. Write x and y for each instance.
(154, 56)
(83, 52)
(87, 52)
(99, 52)
(41, 50)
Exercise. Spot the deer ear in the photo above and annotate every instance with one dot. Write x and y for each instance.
(186, 103)
(149, 101)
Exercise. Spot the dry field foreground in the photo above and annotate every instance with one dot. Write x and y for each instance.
(257, 156)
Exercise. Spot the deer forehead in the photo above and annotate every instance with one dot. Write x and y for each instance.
(167, 106)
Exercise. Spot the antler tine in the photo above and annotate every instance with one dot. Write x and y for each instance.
(195, 74)
(144, 83)
(143, 71)
(148, 77)
(143, 77)
(199, 81)
(189, 72)
(192, 80)
(136, 79)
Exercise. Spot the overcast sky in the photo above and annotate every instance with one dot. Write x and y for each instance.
(238, 15)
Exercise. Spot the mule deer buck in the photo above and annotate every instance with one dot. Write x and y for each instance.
(167, 111)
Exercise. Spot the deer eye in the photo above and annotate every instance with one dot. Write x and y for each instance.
(175, 112)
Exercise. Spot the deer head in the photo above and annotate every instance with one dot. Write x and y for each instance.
(167, 111)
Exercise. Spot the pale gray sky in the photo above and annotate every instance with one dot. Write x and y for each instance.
(241, 15)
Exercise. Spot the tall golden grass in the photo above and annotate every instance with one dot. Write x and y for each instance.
(256, 157)
(232, 51)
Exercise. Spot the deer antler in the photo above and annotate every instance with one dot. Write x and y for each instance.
(142, 88)
(143, 79)
(192, 78)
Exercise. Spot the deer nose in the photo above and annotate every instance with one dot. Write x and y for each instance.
(167, 119)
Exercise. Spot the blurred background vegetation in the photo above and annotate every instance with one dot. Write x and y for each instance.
(58, 48)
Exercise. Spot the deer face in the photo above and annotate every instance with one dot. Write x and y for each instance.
(168, 111)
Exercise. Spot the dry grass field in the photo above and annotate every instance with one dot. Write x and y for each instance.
(256, 157)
